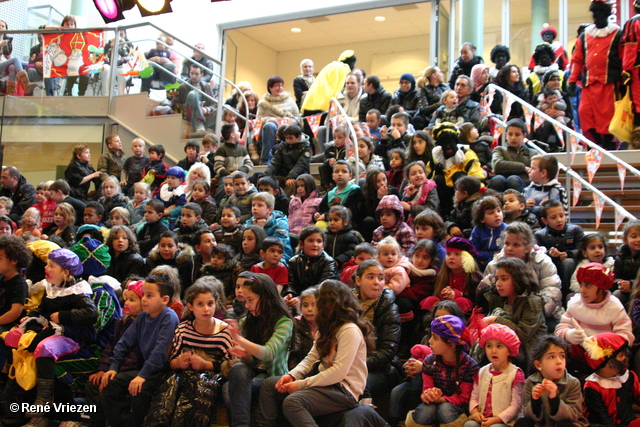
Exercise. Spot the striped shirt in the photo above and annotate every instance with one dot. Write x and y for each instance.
(215, 345)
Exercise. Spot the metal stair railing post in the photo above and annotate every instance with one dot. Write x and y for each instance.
(571, 173)
(352, 132)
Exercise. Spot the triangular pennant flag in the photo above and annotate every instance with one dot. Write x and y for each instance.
(620, 217)
(560, 133)
(256, 126)
(507, 108)
(622, 171)
(574, 147)
(593, 158)
(539, 121)
(497, 133)
(577, 189)
(528, 115)
(490, 94)
(314, 123)
(599, 206)
(333, 110)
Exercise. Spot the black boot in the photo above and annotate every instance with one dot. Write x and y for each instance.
(44, 397)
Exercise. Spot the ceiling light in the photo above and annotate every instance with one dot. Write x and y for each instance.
(295, 30)
(379, 18)
(152, 6)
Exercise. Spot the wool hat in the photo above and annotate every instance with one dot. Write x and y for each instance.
(596, 274)
(451, 328)
(67, 260)
(602, 347)
(553, 30)
(93, 254)
(502, 333)
(176, 171)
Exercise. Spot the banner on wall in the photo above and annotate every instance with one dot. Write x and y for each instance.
(73, 54)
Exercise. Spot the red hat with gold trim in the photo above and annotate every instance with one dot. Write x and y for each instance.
(602, 347)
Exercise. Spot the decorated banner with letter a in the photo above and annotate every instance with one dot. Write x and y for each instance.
(73, 54)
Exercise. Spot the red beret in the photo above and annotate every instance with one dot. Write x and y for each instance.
(596, 274)
(553, 30)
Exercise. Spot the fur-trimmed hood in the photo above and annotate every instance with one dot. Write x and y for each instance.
(185, 254)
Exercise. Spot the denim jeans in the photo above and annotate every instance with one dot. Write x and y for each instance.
(432, 413)
(195, 114)
(237, 393)
(405, 395)
(268, 138)
(501, 183)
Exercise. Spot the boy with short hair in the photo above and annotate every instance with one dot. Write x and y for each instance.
(156, 166)
(390, 214)
(231, 156)
(190, 222)
(171, 193)
(230, 230)
(275, 223)
(272, 251)
(291, 159)
(111, 162)
(134, 165)
(243, 192)
(207, 155)
(373, 123)
(191, 149)
(60, 191)
(561, 239)
(335, 150)
(128, 394)
(544, 184)
(149, 234)
(202, 241)
(511, 164)
(397, 137)
(515, 209)
(361, 253)
(269, 184)
(6, 204)
(93, 214)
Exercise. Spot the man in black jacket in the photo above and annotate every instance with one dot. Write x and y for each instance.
(19, 190)
(376, 97)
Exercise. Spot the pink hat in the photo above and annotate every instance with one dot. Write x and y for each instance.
(502, 333)
(136, 287)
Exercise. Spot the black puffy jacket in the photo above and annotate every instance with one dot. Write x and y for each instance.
(566, 240)
(125, 264)
(307, 271)
(341, 245)
(386, 322)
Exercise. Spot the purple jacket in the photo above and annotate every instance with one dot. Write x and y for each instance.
(301, 213)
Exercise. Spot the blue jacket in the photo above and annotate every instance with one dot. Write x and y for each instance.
(487, 241)
(551, 190)
(278, 226)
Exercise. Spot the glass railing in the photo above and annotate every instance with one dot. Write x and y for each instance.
(39, 140)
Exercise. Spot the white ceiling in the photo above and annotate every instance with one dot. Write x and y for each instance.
(401, 21)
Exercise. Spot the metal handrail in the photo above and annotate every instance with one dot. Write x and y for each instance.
(567, 130)
(222, 81)
(575, 175)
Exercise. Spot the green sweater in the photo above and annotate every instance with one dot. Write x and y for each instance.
(274, 354)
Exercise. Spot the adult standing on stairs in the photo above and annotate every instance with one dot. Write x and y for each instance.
(631, 60)
(596, 56)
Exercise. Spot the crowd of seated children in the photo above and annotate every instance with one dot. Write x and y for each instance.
(407, 249)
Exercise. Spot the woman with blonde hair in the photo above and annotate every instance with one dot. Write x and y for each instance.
(431, 87)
